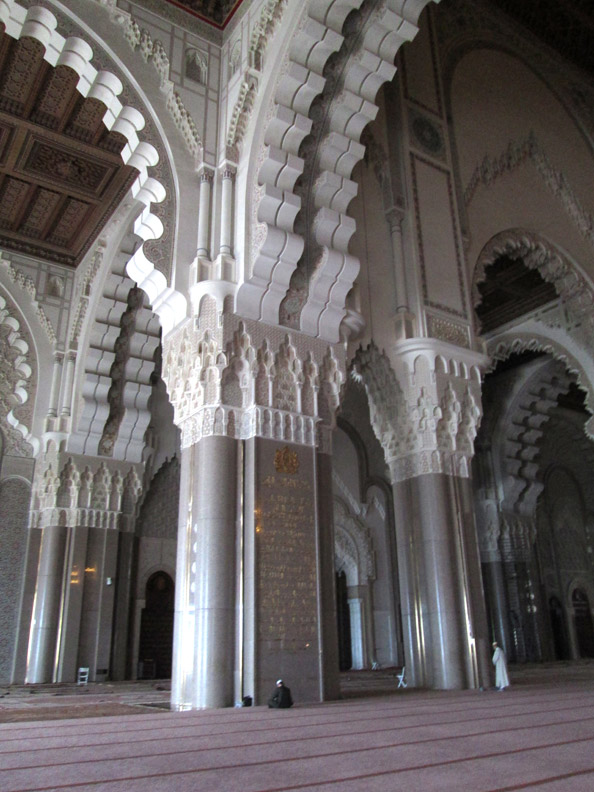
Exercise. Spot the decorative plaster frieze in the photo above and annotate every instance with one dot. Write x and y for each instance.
(516, 154)
(243, 379)
(140, 39)
(427, 417)
(83, 293)
(17, 380)
(27, 285)
(79, 491)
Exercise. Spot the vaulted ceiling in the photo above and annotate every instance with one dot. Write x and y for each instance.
(61, 173)
(565, 25)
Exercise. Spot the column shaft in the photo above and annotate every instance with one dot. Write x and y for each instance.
(326, 579)
(46, 607)
(204, 215)
(204, 644)
(56, 382)
(226, 211)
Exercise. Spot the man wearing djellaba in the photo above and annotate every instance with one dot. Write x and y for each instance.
(500, 663)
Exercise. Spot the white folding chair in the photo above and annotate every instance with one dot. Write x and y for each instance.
(401, 677)
(83, 676)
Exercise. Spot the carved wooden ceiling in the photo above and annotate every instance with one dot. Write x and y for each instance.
(510, 290)
(61, 173)
(215, 12)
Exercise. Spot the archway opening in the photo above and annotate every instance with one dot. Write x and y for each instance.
(510, 290)
(345, 656)
(584, 628)
(156, 628)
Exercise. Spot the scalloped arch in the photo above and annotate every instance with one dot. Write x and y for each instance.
(22, 367)
(571, 284)
(41, 24)
(275, 248)
(515, 343)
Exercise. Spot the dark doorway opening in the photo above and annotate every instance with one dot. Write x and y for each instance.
(156, 628)
(345, 655)
(558, 630)
(583, 623)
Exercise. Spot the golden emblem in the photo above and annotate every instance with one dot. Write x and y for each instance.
(286, 461)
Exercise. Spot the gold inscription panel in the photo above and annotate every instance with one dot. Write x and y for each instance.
(286, 554)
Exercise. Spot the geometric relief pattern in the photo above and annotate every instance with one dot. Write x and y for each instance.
(242, 379)
(17, 379)
(427, 418)
(75, 491)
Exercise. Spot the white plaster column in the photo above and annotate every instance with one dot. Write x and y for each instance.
(394, 218)
(66, 400)
(357, 633)
(56, 382)
(204, 214)
(204, 631)
(46, 606)
(227, 184)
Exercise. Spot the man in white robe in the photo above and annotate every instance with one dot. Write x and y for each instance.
(500, 663)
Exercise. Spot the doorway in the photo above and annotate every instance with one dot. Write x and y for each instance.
(156, 628)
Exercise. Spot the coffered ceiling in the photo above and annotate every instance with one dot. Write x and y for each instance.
(215, 12)
(61, 173)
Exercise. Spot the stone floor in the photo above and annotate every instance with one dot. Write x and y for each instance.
(538, 735)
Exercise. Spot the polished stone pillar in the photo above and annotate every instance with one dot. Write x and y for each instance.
(479, 665)
(444, 621)
(76, 553)
(96, 624)
(410, 569)
(496, 598)
(205, 630)
(443, 587)
(43, 637)
(330, 687)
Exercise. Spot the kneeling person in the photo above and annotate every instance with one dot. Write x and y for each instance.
(281, 698)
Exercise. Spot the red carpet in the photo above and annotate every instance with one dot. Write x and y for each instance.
(539, 734)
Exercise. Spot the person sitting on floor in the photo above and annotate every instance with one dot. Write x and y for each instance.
(281, 698)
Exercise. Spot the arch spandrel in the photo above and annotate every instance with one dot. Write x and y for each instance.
(342, 53)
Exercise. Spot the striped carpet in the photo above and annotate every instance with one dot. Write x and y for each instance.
(537, 735)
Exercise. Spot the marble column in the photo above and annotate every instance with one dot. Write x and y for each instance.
(443, 587)
(56, 382)
(66, 400)
(496, 598)
(46, 606)
(474, 593)
(410, 567)
(326, 577)
(357, 632)
(226, 211)
(205, 632)
(74, 578)
(204, 214)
